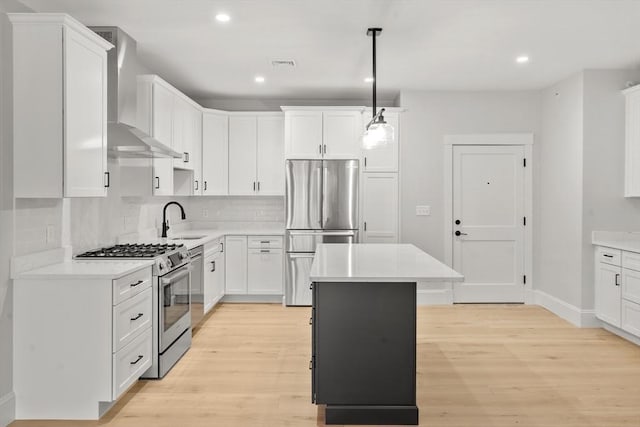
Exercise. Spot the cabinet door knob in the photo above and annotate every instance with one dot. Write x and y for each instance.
(459, 233)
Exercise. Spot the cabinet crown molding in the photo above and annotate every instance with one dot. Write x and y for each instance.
(60, 19)
(322, 108)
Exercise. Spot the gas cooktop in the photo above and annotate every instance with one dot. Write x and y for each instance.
(134, 250)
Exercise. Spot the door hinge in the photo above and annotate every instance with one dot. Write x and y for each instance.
(524, 162)
(524, 279)
(524, 220)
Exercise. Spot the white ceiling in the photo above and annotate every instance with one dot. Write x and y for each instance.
(426, 44)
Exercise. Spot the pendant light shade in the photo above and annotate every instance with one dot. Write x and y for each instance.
(378, 131)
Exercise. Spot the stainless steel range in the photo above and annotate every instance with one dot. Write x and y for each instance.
(171, 300)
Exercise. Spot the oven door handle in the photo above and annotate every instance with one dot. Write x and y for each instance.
(184, 271)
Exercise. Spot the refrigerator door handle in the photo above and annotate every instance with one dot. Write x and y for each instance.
(323, 233)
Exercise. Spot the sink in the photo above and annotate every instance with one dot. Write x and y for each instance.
(190, 237)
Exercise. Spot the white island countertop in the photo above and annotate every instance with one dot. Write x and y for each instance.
(378, 262)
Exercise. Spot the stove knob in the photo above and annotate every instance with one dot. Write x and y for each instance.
(160, 265)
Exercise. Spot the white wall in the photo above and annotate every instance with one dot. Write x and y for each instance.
(604, 207)
(558, 204)
(429, 117)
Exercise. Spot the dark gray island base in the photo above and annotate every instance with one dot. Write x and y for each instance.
(364, 352)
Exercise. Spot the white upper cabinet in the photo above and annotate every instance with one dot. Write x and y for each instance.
(60, 107)
(187, 123)
(384, 158)
(341, 133)
(632, 142)
(242, 155)
(215, 153)
(270, 163)
(162, 177)
(161, 114)
(303, 134)
(194, 148)
(180, 118)
(316, 132)
(380, 208)
(256, 154)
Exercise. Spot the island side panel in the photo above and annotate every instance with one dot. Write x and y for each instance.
(364, 343)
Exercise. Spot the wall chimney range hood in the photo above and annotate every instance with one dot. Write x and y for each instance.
(124, 139)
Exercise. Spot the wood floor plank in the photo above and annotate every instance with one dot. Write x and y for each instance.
(478, 365)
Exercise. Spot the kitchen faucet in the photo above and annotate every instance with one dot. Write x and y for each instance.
(165, 224)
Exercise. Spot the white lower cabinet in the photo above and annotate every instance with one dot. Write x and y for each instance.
(630, 317)
(254, 265)
(95, 342)
(214, 277)
(380, 207)
(608, 293)
(265, 276)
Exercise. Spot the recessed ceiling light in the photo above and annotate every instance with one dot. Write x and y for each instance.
(368, 79)
(259, 79)
(522, 59)
(223, 17)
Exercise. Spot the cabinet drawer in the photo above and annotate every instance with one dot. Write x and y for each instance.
(214, 247)
(609, 256)
(131, 317)
(265, 242)
(631, 261)
(130, 285)
(631, 317)
(131, 362)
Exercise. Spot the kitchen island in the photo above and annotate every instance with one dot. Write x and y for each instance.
(364, 330)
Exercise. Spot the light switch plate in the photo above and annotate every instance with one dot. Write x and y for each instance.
(423, 210)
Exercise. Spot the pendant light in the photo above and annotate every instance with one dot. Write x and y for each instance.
(378, 132)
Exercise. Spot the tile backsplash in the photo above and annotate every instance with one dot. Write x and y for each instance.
(38, 225)
(267, 209)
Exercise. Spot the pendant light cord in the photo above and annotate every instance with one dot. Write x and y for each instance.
(374, 73)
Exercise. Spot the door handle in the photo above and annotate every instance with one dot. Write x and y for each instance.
(157, 182)
(108, 180)
(320, 149)
(196, 185)
(185, 158)
(213, 266)
(459, 233)
(617, 277)
(205, 186)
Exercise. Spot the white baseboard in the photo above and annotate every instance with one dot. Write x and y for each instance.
(434, 297)
(569, 312)
(627, 336)
(7, 409)
(253, 298)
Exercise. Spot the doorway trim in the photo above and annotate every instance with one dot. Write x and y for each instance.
(522, 139)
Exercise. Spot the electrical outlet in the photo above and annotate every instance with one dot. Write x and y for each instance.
(423, 210)
(51, 231)
(205, 213)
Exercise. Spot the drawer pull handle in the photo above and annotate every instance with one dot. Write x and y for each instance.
(617, 277)
(137, 360)
(139, 282)
(311, 286)
(310, 364)
(265, 241)
(311, 320)
(608, 256)
(137, 317)
(265, 251)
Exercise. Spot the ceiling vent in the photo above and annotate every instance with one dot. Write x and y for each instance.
(283, 63)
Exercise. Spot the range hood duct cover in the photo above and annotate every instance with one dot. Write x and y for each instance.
(124, 139)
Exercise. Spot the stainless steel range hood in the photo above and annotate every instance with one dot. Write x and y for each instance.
(124, 139)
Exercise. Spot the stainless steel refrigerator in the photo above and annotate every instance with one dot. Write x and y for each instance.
(321, 207)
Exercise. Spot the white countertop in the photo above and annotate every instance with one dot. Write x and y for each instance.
(210, 235)
(626, 241)
(369, 262)
(103, 269)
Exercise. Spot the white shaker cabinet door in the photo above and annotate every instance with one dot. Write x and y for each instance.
(265, 275)
(85, 110)
(162, 114)
(195, 150)
(215, 154)
(607, 298)
(242, 155)
(385, 157)
(270, 161)
(303, 134)
(163, 177)
(341, 134)
(235, 249)
(380, 208)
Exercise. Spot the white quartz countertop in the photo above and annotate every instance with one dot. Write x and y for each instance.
(209, 235)
(626, 241)
(367, 262)
(86, 270)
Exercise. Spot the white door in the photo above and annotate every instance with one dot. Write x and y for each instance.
(235, 252)
(488, 223)
(242, 155)
(270, 160)
(383, 158)
(303, 134)
(380, 207)
(163, 177)
(265, 272)
(607, 295)
(215, 154)
(162, 108)
(85, 117)
(341, 134)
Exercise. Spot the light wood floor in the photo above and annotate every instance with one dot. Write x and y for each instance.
(478, 365)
